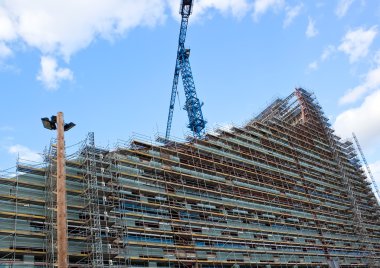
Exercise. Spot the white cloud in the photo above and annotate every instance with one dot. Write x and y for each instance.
(51, 75)
(291, 14)
(375, 170)
(363, 120)
(237, 8)
(63, 27)
(356, 43)
(327, 52)
(220, 126)
(66, 26)
(376, 58)
(371, 82)
(5, 51)
(343, 7)
(24, 153)
(311, 31)
(313, 65)
(7, 27)
(260, 7)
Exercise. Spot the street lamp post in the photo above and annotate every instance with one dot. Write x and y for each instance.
(57, 123)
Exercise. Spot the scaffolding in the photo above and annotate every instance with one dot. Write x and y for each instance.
(93, 198)
(100, 194)
(279, 191)
(51, 204)
(309, 105)
(372, 178)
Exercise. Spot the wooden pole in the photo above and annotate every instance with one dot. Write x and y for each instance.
(61, 195)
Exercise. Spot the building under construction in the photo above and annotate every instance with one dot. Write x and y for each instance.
(281, 191)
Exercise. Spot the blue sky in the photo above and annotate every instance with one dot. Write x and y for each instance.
(108, 65)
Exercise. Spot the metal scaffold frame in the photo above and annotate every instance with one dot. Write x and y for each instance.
(51, 203)
(310, 104)
(95, 248)
(101, 195)
(268, 193)
(372, 178)
(111, 203)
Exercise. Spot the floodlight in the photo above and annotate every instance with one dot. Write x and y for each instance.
(48, 124)
(52, 123)
(68, 126)
(53, 119)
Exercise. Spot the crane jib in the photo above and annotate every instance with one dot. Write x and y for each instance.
(193, 106)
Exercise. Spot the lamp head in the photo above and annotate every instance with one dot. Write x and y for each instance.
(52, 123)
(48, 124)
(53, 119)
(68, 126)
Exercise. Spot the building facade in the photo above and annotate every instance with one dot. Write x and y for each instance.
(281, 191)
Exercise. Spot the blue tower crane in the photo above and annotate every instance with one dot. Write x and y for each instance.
(192, 105)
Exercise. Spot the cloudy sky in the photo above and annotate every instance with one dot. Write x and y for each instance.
(108, 65)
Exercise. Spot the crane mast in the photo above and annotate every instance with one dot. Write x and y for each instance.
(366, 165)
(193, 106)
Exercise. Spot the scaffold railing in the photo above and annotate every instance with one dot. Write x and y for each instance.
(95, 247)
(309, 102)
(50, 158)
(372, 178)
